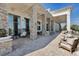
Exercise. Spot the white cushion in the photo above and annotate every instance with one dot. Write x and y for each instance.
(23, 34)
(71, 40)
(66, 46)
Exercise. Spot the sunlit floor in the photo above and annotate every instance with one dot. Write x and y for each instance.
(52, 49)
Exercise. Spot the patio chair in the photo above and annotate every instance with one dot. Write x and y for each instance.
(69, 44)
(23, 34)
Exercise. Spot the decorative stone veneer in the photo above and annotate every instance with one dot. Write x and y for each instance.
(33, 23)
(5, 42)
(44, 24)
(5, 45)
(3, 15)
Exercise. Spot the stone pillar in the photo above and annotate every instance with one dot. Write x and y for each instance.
(7, 29)
(5, 23)
(4, 18)
(44, 24)
(33, 23)
(54, 26)
(68, 21)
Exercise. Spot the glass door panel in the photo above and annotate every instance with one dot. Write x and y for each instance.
(10, 24)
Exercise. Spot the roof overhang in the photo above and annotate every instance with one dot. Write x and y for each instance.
(25, 8)
(60, 19)
(61, 14)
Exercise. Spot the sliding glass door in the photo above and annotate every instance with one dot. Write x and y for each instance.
(18, 26)
(23, 22)
(10, 24)
(14, 24)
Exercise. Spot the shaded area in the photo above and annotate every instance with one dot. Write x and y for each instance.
(52, 49)
(34, 45)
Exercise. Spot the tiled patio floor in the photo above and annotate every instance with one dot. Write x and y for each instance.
(24, 45)
(17, 43)
(52, 49)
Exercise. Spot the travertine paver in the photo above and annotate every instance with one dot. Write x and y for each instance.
(52, 49)
(17, 43)
(32, 46)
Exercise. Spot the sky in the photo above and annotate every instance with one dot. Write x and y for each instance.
(74, 13)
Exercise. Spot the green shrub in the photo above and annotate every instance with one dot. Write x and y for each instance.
(75, 27)
(2, 32)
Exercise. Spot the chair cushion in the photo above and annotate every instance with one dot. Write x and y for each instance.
(66, 46)
(71, 40)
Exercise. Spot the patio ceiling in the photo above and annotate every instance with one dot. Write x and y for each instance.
(21, 7)
(60, 19)
(60, 15)
(25, 8)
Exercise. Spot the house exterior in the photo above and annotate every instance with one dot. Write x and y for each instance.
(32, 19)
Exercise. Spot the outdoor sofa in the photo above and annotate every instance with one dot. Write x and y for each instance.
(68, 42)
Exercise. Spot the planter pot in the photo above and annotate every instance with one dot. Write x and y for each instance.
(5, 45)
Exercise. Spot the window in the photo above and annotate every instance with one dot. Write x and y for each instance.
(47, 27)
(51, 25)
(48, 24)
(38, 28)
(19, 25)
(23, 22)
(38, 22)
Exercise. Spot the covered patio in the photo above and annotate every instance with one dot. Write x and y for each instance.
(40, 20)
(52, 49)
(61, 18)
(32, 21)
(24, 46)
(37, 16)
